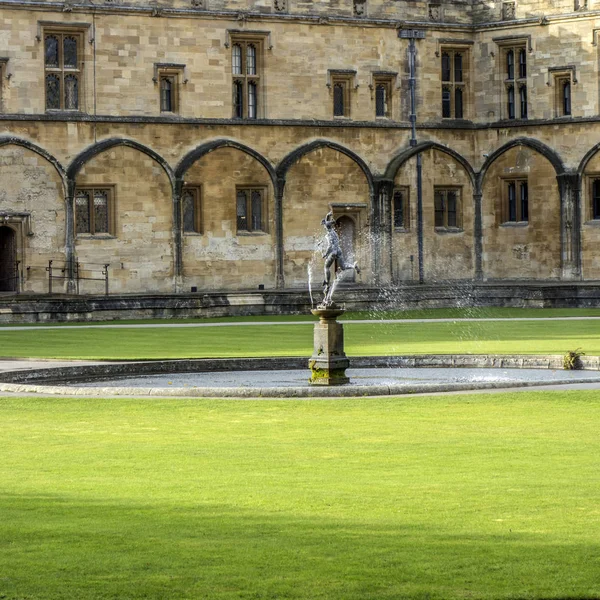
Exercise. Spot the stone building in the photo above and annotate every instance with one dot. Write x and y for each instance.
(185, 144)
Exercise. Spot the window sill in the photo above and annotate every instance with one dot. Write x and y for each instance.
(510, 224)
(193, 233)
(65, 111)
(251, 233)
(95, 236)
(401, 230)
(592, 223)
(444, 230)
(341, 117)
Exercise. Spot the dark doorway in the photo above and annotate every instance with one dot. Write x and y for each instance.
(8, 260)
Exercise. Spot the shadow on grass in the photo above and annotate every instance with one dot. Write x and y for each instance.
(53, 548)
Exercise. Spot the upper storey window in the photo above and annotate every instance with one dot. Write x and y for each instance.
(515, 68)
(63, 63)
(246, 72)
(454, 63)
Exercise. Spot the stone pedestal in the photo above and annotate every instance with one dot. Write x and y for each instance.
(328, 363)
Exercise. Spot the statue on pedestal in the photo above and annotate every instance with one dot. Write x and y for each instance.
(332, 253)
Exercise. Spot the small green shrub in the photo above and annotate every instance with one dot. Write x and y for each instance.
(572, 360)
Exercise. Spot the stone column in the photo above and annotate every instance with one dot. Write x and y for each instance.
(478, 235)
(376, 242)
(177, 236)
(279, 274)
(70, 257)
(570, 225)
(384, 190)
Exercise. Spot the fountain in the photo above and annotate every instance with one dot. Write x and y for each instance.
(328, 363)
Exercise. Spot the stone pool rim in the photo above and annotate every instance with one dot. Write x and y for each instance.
(48, 380)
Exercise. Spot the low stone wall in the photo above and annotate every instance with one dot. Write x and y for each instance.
(111, 370)
(59, 308)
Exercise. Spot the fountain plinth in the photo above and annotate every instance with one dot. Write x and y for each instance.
(328, 363)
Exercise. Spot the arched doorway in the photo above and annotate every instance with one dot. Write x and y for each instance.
(8, 259)
(347, 234)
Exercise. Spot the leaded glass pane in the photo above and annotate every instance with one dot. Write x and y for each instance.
(439, 209)
(452, 209)
(166, 94)
(51, 51)
(256, 210)
(566, 93)
(238, 99)
(523, 98)
(458, 67)
(236, 59)
(511, 102)
(101, 211)
(82, 212)
(242, 220)
(338, 100)
(380, 101)
(398, 209)
(512, 202)
(522, 63)
(71, 92)
(458, 103)
(252, 100)
(250, 59)
(446, 112)
(52, 91)
(596, 199)
(510, 64)
(524, 202)
(189, 212)
(445, 67)
(70, 52)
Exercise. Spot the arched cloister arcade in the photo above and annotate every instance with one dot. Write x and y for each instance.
(222, 215)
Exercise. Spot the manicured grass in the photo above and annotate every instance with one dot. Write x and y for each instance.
(504, 337)
(376, 315)
(473, 496)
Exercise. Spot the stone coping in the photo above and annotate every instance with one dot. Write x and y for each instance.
(46, 380)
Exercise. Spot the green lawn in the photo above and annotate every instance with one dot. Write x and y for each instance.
(473, 496)
(476, 337)
(425, 313)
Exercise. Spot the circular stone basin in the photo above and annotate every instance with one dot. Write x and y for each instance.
(399, 378)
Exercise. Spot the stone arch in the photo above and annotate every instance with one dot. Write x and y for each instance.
(83, 157)
(587, 158)
(238, 248)
(528, 243)
(320, 177)
(534, 144)
(7, 140)
(197, 153)
(293, 157)
(400, 158)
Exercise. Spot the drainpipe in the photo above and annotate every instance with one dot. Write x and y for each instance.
(413, 34)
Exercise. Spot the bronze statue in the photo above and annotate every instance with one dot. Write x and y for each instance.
(333, 252)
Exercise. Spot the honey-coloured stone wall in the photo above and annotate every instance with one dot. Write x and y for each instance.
(220, 257)
(320, 181)
(140, 249)
(31, 185)
(523, 250)
(448, 252)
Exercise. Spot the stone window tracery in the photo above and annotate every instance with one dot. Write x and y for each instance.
(453, 67)
(246, 72)
(400, 209)
(94, 211)
(447, 209)
(514, 66)
(191, 209)
(63, 65)
(250, 209)
(515, 205)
